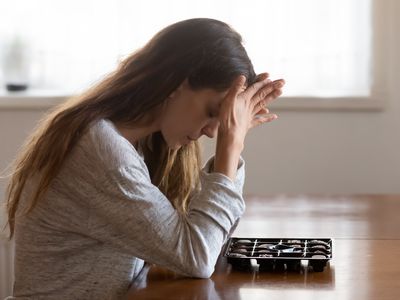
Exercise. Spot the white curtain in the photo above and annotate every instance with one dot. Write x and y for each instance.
(321, 47)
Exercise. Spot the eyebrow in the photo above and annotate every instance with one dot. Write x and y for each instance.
(218, 109)
(215, 108)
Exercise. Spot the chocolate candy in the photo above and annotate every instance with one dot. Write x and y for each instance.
(319, 252)
(317, 242)
(243, 241)
(237, 255)
(268, 246)
(320, 256)
(240, 246)
(318, 247)
(242, 251)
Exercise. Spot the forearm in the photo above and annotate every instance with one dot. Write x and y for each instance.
(227, 156)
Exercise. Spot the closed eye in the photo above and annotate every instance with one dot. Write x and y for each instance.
(214, 113)
(211, 113)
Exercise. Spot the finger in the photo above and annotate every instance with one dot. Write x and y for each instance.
(261, 119)
(261, 111)
(262, 76)
(270, 98)
(259, 98)
(268, 91)
(254, 88)
(236, 87)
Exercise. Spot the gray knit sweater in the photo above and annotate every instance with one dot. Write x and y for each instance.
(102, 218)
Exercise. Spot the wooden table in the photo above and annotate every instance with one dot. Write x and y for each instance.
(365, 264)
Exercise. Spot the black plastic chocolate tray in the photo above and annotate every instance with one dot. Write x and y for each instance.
(277, 253)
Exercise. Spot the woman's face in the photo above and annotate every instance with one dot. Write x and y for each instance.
(190, 114)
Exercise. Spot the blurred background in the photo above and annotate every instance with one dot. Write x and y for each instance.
(337, 131)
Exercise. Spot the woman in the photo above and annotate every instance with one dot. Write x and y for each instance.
(112, 178)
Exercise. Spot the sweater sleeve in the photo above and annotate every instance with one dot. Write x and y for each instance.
(132, 215)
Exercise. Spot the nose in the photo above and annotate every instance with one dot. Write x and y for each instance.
(210, 129)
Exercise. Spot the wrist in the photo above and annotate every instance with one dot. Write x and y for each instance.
(230, 144)
(227, 157)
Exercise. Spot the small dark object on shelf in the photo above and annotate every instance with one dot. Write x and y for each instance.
(16, 87)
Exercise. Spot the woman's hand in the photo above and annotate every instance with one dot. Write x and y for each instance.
(265, 97)
(242, 108)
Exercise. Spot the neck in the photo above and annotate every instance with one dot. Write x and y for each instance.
(134, 134)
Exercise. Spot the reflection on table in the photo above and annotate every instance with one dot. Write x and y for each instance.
(366, 238)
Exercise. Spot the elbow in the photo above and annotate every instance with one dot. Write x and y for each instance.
(203, 266)
(200, 268)
(197, 265)
(203, 272)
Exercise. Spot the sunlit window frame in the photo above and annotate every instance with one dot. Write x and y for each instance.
(381, 18)
(380, 43)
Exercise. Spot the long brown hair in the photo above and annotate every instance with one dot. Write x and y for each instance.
(207, 52)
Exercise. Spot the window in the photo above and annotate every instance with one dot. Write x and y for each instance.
(322, 48)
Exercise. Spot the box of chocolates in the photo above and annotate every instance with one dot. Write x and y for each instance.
(277, 253)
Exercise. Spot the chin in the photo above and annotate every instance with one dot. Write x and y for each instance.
(173, 145)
